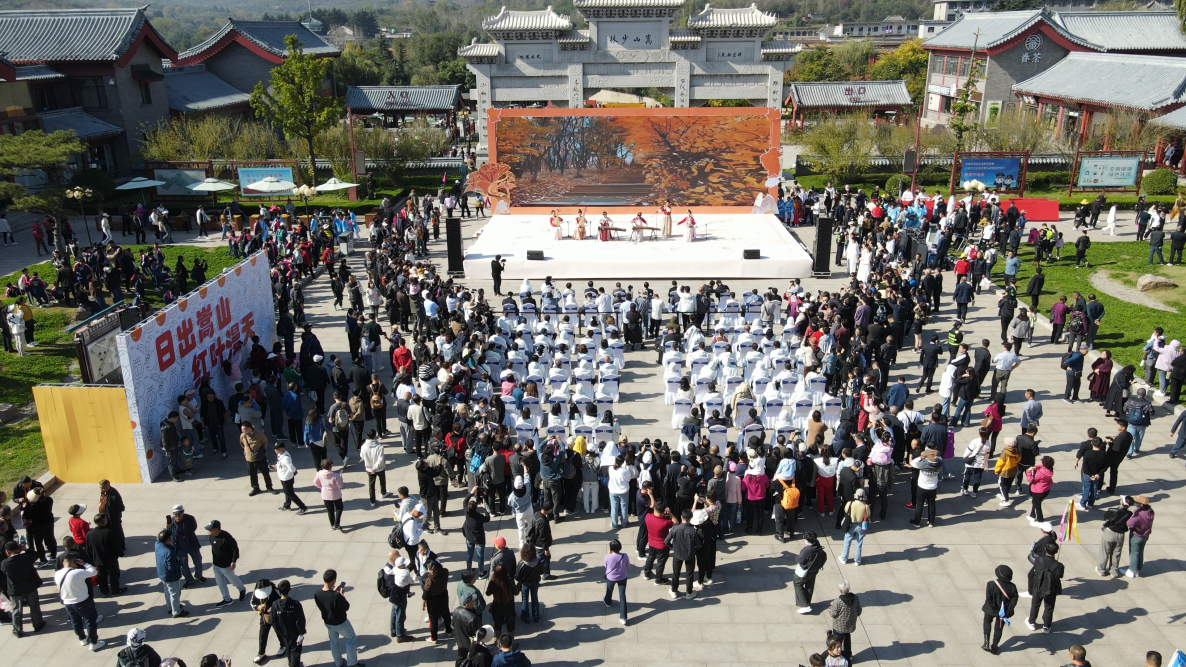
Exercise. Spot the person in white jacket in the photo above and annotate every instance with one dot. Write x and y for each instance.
(286, 470)
(76, 597)
(374, 461)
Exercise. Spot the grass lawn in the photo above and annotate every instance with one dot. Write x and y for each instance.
(22, 452)
(1126, 326)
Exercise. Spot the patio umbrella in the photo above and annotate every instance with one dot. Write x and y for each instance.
(140, 183)
(335, 184)
(270, 184)
(211, 185)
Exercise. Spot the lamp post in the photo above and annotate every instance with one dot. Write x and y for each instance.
(80, 194)
(304, 192)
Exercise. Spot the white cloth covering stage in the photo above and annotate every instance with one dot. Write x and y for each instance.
(716, 253)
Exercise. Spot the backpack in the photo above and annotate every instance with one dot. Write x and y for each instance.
(1075, 323)
(1135, 415)
(341, 420)
(1066, 357)
(475, 462)
(376, 402)
(396, 539)
(382, 585)
(125, 659)
(790, 495)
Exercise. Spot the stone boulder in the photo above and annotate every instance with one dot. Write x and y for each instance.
(1151, 282)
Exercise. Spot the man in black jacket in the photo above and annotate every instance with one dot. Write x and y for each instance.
(38, 514)
(1113, 532)
(214, 417)
(1033, 288)
(539, 533)
(104, 548)
(929, 360)
(22, 581)
(170, 442)
(224, 555)
(111, 503)
(684, 542)
(466, 622)
(849, 480)
(1045, 583)
(288, 619)
(1117, 449)
(317, 380)
(184, 528)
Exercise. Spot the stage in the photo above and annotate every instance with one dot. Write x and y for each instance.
(716, 253)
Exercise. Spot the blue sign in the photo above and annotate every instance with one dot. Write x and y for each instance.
(249, 177)
(994, 173)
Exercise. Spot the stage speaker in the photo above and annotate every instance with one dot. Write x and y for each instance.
(453, 244)
(751, 253)
(536, 255)
(821, 265)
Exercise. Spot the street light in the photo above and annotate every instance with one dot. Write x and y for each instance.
(81, 194)
(304, 192)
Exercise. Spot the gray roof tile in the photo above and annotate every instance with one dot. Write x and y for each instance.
(56, 35)
(997, 28)
(540, 19)
(86, 126)
(850, 94)
(197, 89)
(1126, 31)
(614, 4)
(269, 36)
(402, 98)
(1175, 119)
(1122, 80)
(743, 17)
(37, 73)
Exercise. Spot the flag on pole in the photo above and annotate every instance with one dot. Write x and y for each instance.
(1070, 523)
(444, 177)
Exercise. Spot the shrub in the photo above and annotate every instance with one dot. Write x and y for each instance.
(897, 183)
(1160, 182)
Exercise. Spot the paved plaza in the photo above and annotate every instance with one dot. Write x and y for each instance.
(921, 589)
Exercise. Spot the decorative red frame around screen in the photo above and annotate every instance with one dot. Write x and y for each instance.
(769, 159)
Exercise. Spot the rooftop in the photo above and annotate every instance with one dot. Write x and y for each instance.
(403, 98)
(827, 95)
(540, 19)
(1126, 31)
(744, 17)
(267, 36)
(1140, 82)
(196, 89)
(85, 126)
(37, 73)
(476, 50)
(607, 4)
(986, 30)
(57, 35)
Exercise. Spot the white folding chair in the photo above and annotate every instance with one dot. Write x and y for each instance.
(618, 350)
(525, 432)
(557, 379)
(680, 411)
(670, 392)
(483, 389)
(719, 436)
(702, 389)
(532, 404)
(750, 364)
(817, 386)
(560, 397)
(800, 412)
(556, 430)
(603, 404)
(603, 433)
(771, 411)
(581, 402)
(720, 348)
(697, 365)
(530, 314)
(714, 404)
(732, 383)
(585, 379)
(565, 362)
(784, 430)
(831, 412)
(584, 431)
(609, 386)
(749, 431)
(538, 381)
(518, 367)
(743, 407)
(760, 385)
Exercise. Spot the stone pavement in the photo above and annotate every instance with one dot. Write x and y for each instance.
(921, 589)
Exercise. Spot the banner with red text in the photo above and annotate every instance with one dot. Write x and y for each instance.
(170, 352)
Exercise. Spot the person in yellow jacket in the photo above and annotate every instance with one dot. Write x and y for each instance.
(1006, 470)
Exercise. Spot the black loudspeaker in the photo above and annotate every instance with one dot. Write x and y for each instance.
(536, 255)
(453, 242)
(821, 261)
(751, 254)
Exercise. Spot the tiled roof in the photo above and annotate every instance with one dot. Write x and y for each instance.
(37, 73)
(1139, 82)
(56, 35)
(986, 30)
(1175, 119)
(1126, 31)
(540, 19)
(745, 17)
(849, 94)
(476, 50)
(577, 37)
(267, 35)
(402, 98)
(778, 46)
(86, 126)
(196, 89)
(679, 35)
(616, 4)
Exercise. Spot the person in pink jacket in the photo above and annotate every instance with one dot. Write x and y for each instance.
(330, 483)
(1041, 478)
(753, 503)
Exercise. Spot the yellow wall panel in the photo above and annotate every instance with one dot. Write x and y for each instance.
(87, 433)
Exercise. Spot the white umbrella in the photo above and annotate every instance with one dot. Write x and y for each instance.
(140, 183)
(211, 185)
(335, 184)
(270, 184)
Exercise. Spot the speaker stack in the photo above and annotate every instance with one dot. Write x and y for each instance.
(821, 264)
(453, 244)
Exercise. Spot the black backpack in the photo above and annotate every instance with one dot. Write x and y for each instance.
(1062, 363)
(396, 538)
(382, 585)
(1136, 416)
(125, 659)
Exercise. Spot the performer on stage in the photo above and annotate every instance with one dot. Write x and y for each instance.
(690, 231)
(579, 234)
(635, 232)
(603, 226)
(556, 221)
(665, 211)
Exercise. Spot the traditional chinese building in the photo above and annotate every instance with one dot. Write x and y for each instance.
(243, 53)
(884, 99)
(536, 57)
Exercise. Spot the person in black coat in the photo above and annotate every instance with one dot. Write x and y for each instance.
(1000, 601)
(20, 585)
(288, 618)
(807, 566)
(104, 548)
(1045, 584)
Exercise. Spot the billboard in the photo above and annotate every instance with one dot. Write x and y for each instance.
(170, 352)
(176, 181)
(1109, 172)
(719, 157)
(994, 173)
(250, 176)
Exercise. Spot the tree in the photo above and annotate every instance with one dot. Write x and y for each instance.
(1016, 5)
(818, 64)
(356, 67)
(293, 102)
(40, 156)
(454, 72)
(365, 23)
(841, 146)
(854, 56)
(909, 62)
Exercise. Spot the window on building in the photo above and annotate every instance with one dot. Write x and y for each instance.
(945, 105)
(89, 92)
(965, 64)
(936, 64)
(145, 92)
(952, 63)
(45, 99)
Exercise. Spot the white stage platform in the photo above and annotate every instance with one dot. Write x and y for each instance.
(717, 253)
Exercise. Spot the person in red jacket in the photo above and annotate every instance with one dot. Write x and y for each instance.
(78, 526)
